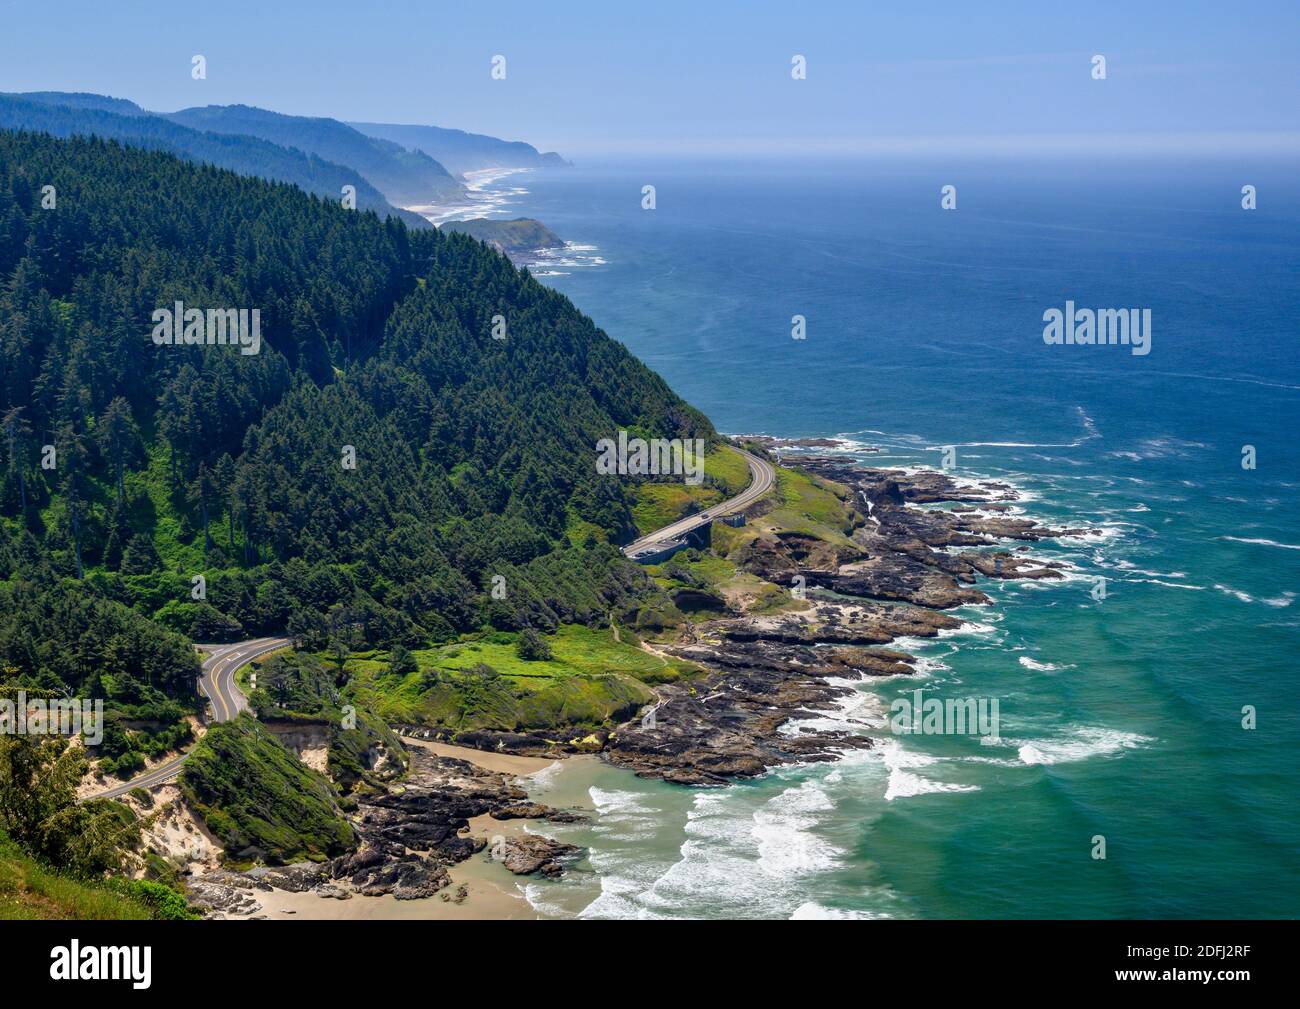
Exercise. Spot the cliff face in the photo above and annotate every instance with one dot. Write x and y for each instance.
(462, 152)
(310, 741)
(513, 238)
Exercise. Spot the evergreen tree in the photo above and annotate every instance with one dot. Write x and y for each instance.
(119, 440)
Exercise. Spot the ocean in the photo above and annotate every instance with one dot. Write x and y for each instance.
(1121, 717)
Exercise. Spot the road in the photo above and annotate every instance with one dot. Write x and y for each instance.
(218, 685)
(218, 679)
(762, 475)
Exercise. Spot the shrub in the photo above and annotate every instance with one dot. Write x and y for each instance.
(531, 646)
(162, 901)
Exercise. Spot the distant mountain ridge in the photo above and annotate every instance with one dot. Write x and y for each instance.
(85, 100)
(463, 152)
(78, 114)
(391, 165)
(405, 177)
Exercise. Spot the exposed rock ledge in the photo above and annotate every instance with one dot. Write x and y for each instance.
(904, 566)
(409, 837)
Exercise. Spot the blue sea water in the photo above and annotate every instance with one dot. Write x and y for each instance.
(1120, 718)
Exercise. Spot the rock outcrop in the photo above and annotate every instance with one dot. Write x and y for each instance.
(529, 853)
(409, 836)
(772, 677)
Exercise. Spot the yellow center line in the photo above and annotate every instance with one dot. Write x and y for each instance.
(219, 711)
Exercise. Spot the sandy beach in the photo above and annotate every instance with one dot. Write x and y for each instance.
(491, 891)
(502, 763)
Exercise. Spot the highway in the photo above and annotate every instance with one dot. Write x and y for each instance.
(762, 476)
(217, 684)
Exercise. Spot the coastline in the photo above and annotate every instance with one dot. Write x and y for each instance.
(1072, 676)
(1053, 649)
(480, 888)
(492, 203)
(483, 201)
(917, 546)
(785, 690)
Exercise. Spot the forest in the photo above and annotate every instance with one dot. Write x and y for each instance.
(65, 114)
(363, 479)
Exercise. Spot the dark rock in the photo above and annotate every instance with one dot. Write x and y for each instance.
(529, 853)
(406, 878)
(536, 811)
(899, 571)
(296, 878)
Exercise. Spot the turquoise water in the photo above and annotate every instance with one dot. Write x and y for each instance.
(1120, 717)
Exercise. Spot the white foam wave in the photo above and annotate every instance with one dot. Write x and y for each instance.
(783, 831)
(854, 711)
(903, 781)
(1262, 542)
(1079, 743)
(967, 627)
(1278, 602)
(725, 839)
(812, 911)
(1041, 667)
(543, 780)
(546, 262)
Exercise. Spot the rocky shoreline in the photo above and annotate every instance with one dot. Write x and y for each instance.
(916, 545)
(905, 562)
(410, 836)
(904, 566)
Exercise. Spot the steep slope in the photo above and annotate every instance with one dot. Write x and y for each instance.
(468, 457)
(30, 891)
(404, 177)
(511, 237)
(259, 799)
(462, 152)
(66, 114)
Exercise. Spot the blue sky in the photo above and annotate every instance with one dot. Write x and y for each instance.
(702, 77)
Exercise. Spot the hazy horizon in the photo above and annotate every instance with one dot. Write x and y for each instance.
(585, 80)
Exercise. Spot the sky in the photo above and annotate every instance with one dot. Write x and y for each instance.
(701, 77)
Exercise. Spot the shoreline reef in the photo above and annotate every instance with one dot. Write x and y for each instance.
(806, 608)
(899, 563)
(417, 853)
(842, 560)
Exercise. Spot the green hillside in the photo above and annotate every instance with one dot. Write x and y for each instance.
(520, 235)
(474, 457)
(30, 891)
(260, 800)
(65, 114)
(405, 177)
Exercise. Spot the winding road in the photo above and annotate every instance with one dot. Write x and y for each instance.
(762, 475)
(217, 683)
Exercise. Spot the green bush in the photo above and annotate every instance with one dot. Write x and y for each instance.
(260, 799)
(162, 901)
(532, 647)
